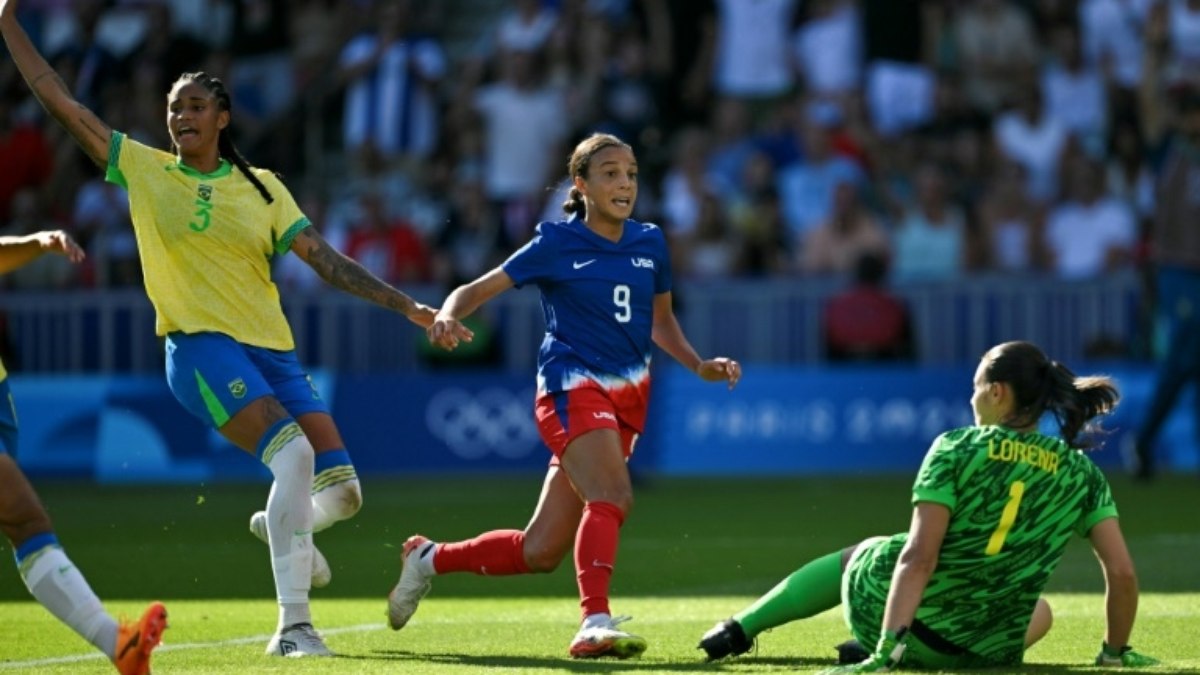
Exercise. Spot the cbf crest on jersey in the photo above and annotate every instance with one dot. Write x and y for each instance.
(204, 192)
(237, 388)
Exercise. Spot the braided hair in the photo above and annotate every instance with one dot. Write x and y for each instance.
(579, 164)
(1040, 385)
(225, 146)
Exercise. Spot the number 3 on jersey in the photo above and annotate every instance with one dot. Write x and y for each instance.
(621, 300)
(1015, 492)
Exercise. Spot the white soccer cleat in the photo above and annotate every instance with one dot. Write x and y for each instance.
(606, 640)
(296, 641)
(413, 584)
(322, 573)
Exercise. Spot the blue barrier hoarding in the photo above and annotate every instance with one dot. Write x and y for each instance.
(778, 421)
(858, 419)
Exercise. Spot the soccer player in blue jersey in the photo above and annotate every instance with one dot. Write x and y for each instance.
(208, 225)
(49, 574)
(605, 282)
(994, 506)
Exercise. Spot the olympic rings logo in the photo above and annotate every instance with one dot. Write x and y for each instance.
(493, 420)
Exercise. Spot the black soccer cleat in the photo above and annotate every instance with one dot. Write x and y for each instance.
(725, 639)
(851, 652)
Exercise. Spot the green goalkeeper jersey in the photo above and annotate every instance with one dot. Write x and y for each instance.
(1015, 501)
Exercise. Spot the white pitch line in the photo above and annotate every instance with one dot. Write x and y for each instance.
(34, 663)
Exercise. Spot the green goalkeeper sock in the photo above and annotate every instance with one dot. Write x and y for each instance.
(810, 590)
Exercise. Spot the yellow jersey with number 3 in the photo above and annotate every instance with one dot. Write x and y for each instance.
(206, 243)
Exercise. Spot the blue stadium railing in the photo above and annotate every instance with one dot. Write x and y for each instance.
(775, 321)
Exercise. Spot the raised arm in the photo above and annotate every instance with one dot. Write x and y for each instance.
(667, 334)
(16, 252)
(346, 274)
(92, 134)
(447, 329)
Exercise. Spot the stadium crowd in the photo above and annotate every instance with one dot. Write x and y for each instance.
(778, 138)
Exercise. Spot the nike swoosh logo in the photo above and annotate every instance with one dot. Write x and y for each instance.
(580, 265)
(132, 644)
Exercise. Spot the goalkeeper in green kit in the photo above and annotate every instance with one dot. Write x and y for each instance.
(994, 506)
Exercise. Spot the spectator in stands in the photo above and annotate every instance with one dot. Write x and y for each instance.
(472, 240)
(1076, 94)
(827, 49)
(711, 251)
(51, 577)
(930, 243)
(388, 248)
(898, 44)
(752, 61)
(835, 246)
(1091, 232)
(261, 78)
(866, 322)
(1183, 18)
(1129, 176)
(102, 222)
(524, 124)
(28, 160)
(687, 44)
(1111, 32)
(1031, 137)
(1174, 250)
(806, 188)
(526, 27)
(1012, 224)
(995, 45)
(391, 74)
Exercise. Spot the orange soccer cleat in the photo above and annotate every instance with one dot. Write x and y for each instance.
(136, 640)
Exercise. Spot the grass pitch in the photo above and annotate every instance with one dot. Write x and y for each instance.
(693, 551)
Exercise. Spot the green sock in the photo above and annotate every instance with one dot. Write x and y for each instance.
(810, 590)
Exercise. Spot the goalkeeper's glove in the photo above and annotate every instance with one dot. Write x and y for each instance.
(887, 655)
(1123, 657)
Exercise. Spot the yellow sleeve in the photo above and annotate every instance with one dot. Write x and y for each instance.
(112, 172)
(289, 219)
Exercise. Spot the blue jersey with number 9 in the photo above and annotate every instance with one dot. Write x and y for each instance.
(597, 299)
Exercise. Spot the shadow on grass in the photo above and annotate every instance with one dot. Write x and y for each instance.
(519, 663)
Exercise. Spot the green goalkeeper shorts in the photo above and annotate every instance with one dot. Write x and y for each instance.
(865, 586)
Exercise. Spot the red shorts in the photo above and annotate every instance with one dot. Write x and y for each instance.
(566, 415)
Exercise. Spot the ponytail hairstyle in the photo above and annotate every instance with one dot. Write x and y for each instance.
(225, 146)
(1040, 385)
(580, 162)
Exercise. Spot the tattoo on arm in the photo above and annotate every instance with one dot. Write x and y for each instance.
(348, 275)
(81, 125)
(272, 411)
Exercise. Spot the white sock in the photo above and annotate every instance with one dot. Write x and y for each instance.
(289, 523)
(56, 583)
(600, 620)
(335, 503)
(424, 559)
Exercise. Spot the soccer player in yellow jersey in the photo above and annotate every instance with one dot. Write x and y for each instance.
(49, 574)
(207, 225)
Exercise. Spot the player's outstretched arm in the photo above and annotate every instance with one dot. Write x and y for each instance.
(16, 252)
(668, 335)
(1120, 596)
(92, 134)
(346, 274)
(447, 329)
